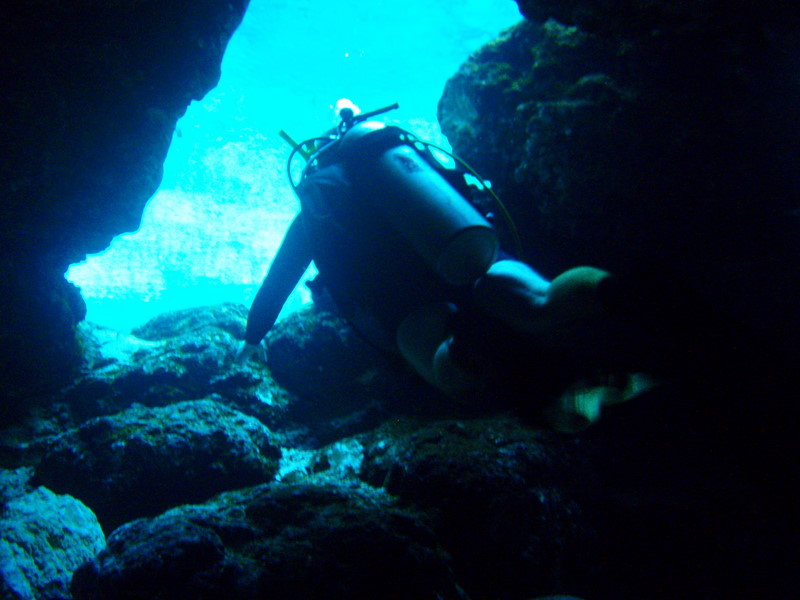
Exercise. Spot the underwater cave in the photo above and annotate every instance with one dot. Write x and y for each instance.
(145, 194)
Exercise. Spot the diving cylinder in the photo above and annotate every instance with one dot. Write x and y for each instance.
(439, 223)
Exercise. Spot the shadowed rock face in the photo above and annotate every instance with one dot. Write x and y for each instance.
(363, 487)
(427, 505)
(645, 16)
(92, 91)
(658, 133)
(610, 135)
(187, 451)
(39, 524)
(294, 541)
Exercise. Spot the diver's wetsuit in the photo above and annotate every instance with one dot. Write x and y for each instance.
(371, 272)
(291, 261)
(377, 280)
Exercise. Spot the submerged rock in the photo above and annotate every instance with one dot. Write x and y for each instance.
(274, 541)
(179, 355)
(93, 94)
(146, 460)
(505, 498)
(342, 385)
(671, 145)
(14, 483)
(227, 317)
(320, 377)
(509, 511)
(337, 463)
(120, 371)
(327, 383)
(44, 537)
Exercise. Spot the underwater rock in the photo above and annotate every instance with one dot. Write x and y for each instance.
(503, 496)
(342, 384)
(14, 483)
(39, 351)
(274, 541)
(338, 463)
(536, 111)
(44, 537)
(227, 317)
(645, 17)
(316, 353)
(350, 390)
(93, 92)
(122, 370)
(321, 380)
(145, 460)
(677, 147)
(182, 355)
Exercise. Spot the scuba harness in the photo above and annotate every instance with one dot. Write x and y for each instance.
(407, 185)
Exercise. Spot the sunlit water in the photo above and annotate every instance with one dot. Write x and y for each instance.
(210, 232)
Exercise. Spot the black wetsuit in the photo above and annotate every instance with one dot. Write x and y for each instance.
(371, 272)
(377, 279)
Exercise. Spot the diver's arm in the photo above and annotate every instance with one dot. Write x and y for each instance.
(287, 268)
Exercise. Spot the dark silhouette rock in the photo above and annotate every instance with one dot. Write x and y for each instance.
(633, 148)
(179, 355)
(92, 94)
(143, 461)
(342, 384)
(503, 496)
(280, 541)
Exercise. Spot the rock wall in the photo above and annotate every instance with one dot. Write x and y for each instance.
(587, 138)
(646, 133)
(614, 132)
(92, 93)
(217, 479)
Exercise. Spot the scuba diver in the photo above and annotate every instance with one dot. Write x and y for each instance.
(406, 250)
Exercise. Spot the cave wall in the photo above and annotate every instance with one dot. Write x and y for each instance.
(646, 134)
(92, 92)
(614, 131)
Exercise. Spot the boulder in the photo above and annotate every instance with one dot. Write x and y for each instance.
(227, 317)
(342, 385)
(505, 498)
(274, 541)
(145, 460)
(14, 483)
(44, 537)
(179, 355)
(93, 92)
(672, 148)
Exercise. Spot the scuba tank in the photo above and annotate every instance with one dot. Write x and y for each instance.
(448, 232)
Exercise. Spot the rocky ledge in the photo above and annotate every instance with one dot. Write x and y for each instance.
(213, 479)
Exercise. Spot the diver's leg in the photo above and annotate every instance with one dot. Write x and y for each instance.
(568, 315)
(425, 338)
(572, 314)
(560, 313)
(512, 292)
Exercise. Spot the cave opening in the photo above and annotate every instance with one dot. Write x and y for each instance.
(209, 233)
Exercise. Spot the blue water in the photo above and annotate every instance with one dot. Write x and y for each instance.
(210, 232)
